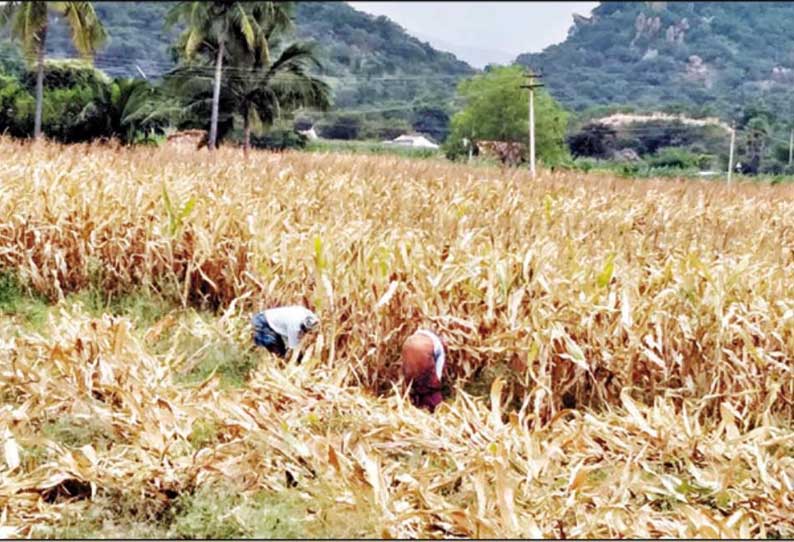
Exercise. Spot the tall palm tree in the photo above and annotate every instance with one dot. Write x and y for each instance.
(28, 22)
(212, 26)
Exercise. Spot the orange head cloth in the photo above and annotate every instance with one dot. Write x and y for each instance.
(419, 369)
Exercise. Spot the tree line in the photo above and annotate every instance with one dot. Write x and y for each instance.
(239, 72)
(234, 63)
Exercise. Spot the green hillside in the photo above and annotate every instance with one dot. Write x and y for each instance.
(707, 57)
(370, 62)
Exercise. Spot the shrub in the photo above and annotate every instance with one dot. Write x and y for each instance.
(344, 127)
(674, 157)
(16, 108)
(65, 74)
(279, 140)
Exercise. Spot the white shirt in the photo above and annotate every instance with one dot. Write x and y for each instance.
(438, 351)
(286, 321)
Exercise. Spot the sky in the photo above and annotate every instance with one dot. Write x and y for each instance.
(483, 32)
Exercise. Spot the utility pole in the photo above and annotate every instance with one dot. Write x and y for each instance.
(790, 147)
(730, 155)
(531, 86)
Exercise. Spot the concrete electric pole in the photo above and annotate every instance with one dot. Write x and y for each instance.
(531, 86)
(730, 155)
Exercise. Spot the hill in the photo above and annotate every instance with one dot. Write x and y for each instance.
(704, 57)
(371, 62)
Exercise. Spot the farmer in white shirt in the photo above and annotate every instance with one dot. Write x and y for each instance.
(282, 328)
(422, 365)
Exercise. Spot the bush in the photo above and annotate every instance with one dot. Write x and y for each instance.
(780, 153)
(773, 167)
(83, 104)
(69, 88)
(11, 62)
(344, 127)
(594, 139)
(279, 140)
(62, 117)
(456, 149)
(585, 164)
(431, 121)
(674, 157)
(65, 74)
(16, 108)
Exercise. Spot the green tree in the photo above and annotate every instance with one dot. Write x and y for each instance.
(16, 107)
(431, 120)
(757, 131)
(28, 22)
(498, 109)
(594, 140)
(223, 28)
(281, 87)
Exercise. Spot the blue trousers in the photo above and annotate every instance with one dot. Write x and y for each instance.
(264, 335)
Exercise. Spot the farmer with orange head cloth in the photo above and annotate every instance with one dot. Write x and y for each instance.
(422, 366)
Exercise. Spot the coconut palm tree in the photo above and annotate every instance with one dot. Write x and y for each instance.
(28, 24)
(266, 91)
(258, 92)
(221, 25)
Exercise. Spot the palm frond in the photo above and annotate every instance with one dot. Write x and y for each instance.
(242, 23)
(27, 22)
(195, 38)
(87, 30)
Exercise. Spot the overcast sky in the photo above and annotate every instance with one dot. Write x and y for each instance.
(482, 32)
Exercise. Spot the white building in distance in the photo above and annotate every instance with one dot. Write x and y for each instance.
(412, 140)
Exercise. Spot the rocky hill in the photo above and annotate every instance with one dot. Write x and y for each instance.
(706, 57)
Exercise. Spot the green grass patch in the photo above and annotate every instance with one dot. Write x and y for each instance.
(204, 433)
(77, 432)
(112, 514)
(216, 512)
(15, 301)
(224, 513)
(370, 147)
(33, 456)
(230, 360)
(143, 307)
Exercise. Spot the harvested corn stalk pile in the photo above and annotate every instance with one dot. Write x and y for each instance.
(619, 352)
(475, 469)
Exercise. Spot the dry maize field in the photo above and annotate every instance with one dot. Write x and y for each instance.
(619, 352)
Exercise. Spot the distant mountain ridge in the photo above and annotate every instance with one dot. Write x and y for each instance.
(710, 57)
(476, 56)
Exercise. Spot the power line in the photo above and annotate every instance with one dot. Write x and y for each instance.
(124, 62)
